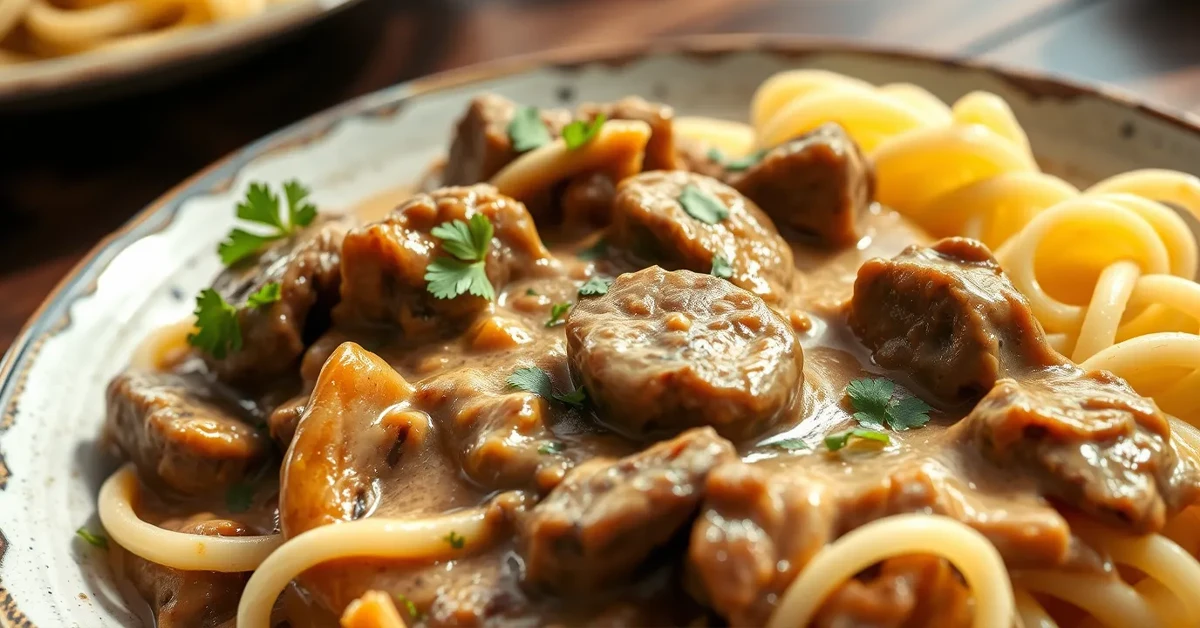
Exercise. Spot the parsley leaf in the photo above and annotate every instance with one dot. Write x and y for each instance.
(578, 133)
(789, 444)
(456, 540)
(527, 131)
(870, 398)
(261, 206)
(576, 398)
(239, 497)
(837, 441)
(552, 447)
(408, 606)
(265, 296)
(466, 272)
(449, 278)
(702, 206)
(557, 311)
(595, 287)
(531, 292)
(721, 267)
(908, 413)
(736, 164)
(95, 539)
(595, 251)
(217, 330)
(535, 380)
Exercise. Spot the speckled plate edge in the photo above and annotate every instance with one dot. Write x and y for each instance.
(53, 315)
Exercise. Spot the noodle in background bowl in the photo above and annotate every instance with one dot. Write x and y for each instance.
(52, 380)
(165, 54)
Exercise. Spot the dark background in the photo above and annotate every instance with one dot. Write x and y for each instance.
(71, 174)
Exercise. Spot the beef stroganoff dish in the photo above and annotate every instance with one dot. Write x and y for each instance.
(856, 362)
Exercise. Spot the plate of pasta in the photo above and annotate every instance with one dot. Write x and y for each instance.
(48, 48)
(718, 331)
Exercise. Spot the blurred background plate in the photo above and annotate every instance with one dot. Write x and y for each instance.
(71, 79)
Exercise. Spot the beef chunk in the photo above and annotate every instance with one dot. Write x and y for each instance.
(817, 185)
(660, 151)
(587, 200)
(307, 269)
(904, 592)
(947, 315)
(190, 599)
(606, 518)
(182, 431)
(384, 264)
(481, 146)
(695, 156)
(652, 225)
(1090, 441)
(665, 351)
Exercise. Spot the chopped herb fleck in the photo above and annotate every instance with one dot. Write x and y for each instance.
(527, 131)
(265, 296)
(595, 286)
(837, 441)
(456, 540)
(875, 408)
(408, 606)
(576, 398)
(702, 206)
(721, 267)
(551, 447)
(535, 380)
(557, 311)
(790, 444)
(531, 292)
(95, 539)
(737, 164)
(578, 133)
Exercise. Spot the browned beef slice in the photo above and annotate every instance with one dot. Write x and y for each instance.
(818, 185)
(653, 227)
(1090, 441)
(481, 145)
(183, 431)
(587, 200)
(904, 592)
(660, 150)
(284, 418)
(663, 351)
(607, 516)
(384, 263)
(948, 316)
(696, 156)
(190, 599)
(307, 269)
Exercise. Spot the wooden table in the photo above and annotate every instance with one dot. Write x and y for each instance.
(68, 177)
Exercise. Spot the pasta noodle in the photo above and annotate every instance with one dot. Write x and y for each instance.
(35, 29)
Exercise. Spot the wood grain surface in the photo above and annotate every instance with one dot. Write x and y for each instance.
(72, 173)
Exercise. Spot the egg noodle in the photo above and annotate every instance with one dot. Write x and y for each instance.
(34, 29)
(1108, 271)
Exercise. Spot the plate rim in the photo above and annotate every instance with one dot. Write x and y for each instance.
(52, 315)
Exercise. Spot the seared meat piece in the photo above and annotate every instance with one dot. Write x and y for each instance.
(651, 224)
(190, 599)
(182, 431)
(947, 315)
(665, 351)
(660, 151)
(587, 200)
(284, 418)
(607, 517)
(695, 156)
(307, 269)
(817, 185)
(1090, 441)
(481, 145)
(906, 592)
(384, 263)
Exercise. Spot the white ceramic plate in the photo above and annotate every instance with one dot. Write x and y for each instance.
(52, 380)
(171, 58)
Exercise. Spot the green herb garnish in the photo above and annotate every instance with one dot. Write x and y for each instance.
(95, 539)
(408, 606)
(531, 292)
(594, 287)
(875, 408)
(789, 444)
(527, 131)
(736, 164)
(557, 311)
(702, 206)
(466, 272)
(456, 540)
(535, 380)
(551, 447)
(721, 267)
(578, 133)
(837, 441)
(261, 206)
(265, 296)
(217, 330)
